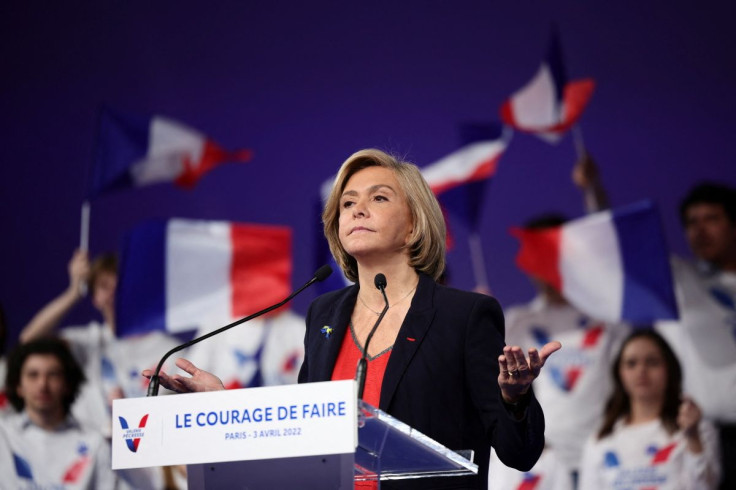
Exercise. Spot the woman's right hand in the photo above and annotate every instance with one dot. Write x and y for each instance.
(199, 381)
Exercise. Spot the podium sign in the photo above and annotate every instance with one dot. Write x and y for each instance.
(235, 425)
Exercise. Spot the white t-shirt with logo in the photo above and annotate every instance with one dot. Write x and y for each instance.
(704, 338)
(549, 473)
(646, 456)
(576, 380)
(111, 365)
(70, 457)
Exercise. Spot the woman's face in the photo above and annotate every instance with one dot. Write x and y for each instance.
(374, 216)
(643, 370)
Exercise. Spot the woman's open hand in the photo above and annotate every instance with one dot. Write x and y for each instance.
(199, 381)
(517, 373)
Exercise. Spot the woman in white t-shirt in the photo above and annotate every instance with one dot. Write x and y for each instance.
(652, 436)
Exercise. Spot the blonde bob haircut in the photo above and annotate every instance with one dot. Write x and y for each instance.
(426, 244)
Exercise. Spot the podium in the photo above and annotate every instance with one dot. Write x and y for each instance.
(313, 435)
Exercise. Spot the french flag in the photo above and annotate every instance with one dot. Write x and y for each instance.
(459, 179)
(475, 160)
(135, 151)
(177, 275)
(613, 265)
(549, 105)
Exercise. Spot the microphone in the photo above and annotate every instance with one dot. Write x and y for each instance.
(319, 276)
(360, 371)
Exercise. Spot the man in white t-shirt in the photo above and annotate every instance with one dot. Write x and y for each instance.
(704, 338)
(112, 364)
(43, 445)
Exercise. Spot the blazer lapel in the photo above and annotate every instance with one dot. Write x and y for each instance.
(412, 332)
(329, 348)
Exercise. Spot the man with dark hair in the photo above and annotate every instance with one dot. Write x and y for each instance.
(43, 446)
(704, 337)
(68, 372)
(112, 364)
(708, 214)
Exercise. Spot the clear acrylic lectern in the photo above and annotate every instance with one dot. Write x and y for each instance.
(388, 449)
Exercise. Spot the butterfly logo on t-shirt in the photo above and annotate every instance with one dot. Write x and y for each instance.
(75, 470)
(244, 359)
(291, 362)
(660, 455)
(645, 475)
(71, 475)
(566, 370)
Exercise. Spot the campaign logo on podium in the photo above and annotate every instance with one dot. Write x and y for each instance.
(273, 422)
(133, 435)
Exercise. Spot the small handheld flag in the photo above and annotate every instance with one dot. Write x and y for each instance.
(549, 105)
(136, 151)
(612, 265)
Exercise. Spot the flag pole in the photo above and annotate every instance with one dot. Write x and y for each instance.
(577, 134)
(84, 231)
(478, 263)
(84, 238)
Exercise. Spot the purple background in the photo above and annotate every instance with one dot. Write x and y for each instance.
(304, 84)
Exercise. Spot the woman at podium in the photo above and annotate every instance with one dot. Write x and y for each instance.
(436, 358)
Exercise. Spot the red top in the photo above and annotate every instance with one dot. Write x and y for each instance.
(347, 361)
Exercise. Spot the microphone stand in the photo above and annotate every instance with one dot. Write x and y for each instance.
(360, 371)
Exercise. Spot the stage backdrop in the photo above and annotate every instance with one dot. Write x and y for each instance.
(305, 84)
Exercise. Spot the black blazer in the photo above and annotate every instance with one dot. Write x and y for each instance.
(442, 377)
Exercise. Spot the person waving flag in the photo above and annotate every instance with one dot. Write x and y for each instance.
(549, 105)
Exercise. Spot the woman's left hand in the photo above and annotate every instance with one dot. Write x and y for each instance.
(517, 373)
(688, 420)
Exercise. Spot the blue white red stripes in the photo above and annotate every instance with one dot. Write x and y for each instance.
(460, 179)
(178, 275)
(477, 159)
(549, 104)
(612, 265)
(136, 151)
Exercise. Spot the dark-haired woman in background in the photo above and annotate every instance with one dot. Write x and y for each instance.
(652, 436)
